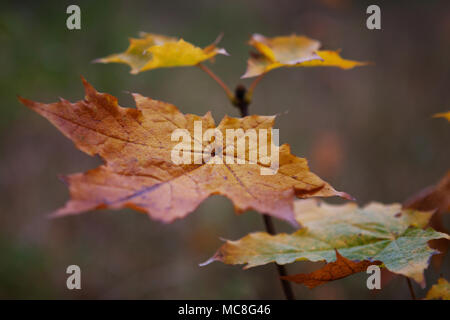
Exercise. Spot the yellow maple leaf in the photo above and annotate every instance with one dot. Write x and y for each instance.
(152, 51)
(445, 115)
(439, 291)
(291, 51)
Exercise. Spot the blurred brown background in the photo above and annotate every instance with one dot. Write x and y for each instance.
(367, 131)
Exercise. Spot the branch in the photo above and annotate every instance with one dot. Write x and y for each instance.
(411, 290)
(217, 79)
(287, 289)
(253, 85)
(241, 101)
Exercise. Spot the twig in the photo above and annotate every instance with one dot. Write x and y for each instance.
(287, 289)
(217, 79)
(411, 290)
(241, 101)
(253, 85)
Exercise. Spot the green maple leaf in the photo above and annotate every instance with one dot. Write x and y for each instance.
(376, 232)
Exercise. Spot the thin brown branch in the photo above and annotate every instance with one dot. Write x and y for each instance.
(254, 84)
(411, 290)
(242, 104)
(286, 285)
(217, 79)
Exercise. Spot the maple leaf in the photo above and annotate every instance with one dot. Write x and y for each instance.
(439, 291)
(445, 115)
(291, 51)
(339, 269)
(375, 232)
(152, 51)
(434, 198)
(139, 173)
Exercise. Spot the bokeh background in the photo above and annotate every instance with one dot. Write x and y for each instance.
(367, 131)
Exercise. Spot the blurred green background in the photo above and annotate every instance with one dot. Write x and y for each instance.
(367, 131)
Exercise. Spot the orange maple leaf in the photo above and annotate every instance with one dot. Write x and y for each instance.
(138, 173)
(434, 198)
(336, 270)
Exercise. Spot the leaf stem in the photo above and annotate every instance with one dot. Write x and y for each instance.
(217, 79)
(411, 290)
(253, 85)
(241, 101)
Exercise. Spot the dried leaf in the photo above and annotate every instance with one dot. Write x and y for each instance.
(439, 291)
(434, 198)
(291, 51)
(375, 232)
(339, 269)
(139, 173)
(152, 51)
(445, 115)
